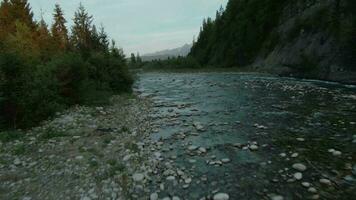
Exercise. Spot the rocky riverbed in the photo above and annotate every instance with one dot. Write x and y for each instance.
(193, 136)
(246, 136)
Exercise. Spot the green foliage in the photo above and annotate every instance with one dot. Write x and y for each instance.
(43, 72)
(8, 136)
(176, 62)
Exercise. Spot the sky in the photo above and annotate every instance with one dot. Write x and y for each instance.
(143, 26)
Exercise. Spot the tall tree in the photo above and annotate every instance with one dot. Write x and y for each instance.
(12, 11)
(59, 29)
(82, 30)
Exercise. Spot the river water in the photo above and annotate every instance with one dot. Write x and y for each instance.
(229, 114)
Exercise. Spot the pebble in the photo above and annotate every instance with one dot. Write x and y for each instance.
(154, 196)
(225, 160)
(221, 196)
(138, 177)
(294, 155)
(325, 181)
(283, 155)
(175, 198)
(312, 190)
(192, 148)
(253, 147)
(299, 166)
(170, 178)
(17, 161)
(202, 149)
(277, 197)
(336, 153)
(298, 176)
(79, 157)
(305, 184)
(300, 139)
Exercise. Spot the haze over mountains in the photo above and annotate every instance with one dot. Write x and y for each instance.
(164, 54)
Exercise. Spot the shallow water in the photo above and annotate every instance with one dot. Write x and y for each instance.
(246, 108)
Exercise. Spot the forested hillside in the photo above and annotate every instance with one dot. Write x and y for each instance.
(47, 69)
(309, 38)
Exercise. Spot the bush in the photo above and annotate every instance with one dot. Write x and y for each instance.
(28, 92)
(110, 72)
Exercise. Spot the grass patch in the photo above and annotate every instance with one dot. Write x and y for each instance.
(132, 146)
(19, 149)
(50, 134)
(8, 136)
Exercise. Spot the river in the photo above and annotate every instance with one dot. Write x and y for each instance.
(241, 134)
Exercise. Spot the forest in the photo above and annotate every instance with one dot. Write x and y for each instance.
(46, 69)
(251, 29)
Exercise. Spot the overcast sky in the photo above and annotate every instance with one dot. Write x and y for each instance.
(143, 26)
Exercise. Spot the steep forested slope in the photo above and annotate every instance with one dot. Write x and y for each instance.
(309, 38)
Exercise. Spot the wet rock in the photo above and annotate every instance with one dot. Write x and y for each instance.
(17, 161)
(283, 155)
(325, 181)
(299, 166)
(298, 176)
(170, 178)
(202, 149)
(306, 184)
(294, 155)
(300, 139)
(192, 148)
(276, 197)
(221, 196)
(312, 190)
(253, 147)
(138, 177)
(154, 196)
(188, 180)
(225, 160)
(337, 153)
(198, 126)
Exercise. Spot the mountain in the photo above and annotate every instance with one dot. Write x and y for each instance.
(303, 38)
(164, 54)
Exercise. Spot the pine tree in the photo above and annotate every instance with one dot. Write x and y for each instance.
(43, 40)
(21, 11)
(13, 11)
(82, 30)
(103, 39)
(59, 30)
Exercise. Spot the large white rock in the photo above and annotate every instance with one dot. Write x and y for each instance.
(299, 166)
(154, 196)
(221, 196)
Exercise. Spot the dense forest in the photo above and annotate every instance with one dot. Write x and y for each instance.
(45, 69)
(303, 35)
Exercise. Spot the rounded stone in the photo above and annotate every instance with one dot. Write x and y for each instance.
(221, 196)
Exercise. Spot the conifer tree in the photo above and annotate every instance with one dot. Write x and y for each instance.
(59, 29)
(82, 30)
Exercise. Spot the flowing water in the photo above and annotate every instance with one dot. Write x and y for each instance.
(289, 120)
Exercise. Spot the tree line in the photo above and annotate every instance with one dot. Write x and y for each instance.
(45, 69)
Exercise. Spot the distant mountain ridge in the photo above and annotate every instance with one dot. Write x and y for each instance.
(164, 54)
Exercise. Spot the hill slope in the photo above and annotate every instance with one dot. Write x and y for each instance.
(307, 38)
(164, 54)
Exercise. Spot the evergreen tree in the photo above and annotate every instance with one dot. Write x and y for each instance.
(81, 38)
(12, 11)
(59, 29)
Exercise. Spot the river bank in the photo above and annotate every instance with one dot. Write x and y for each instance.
(193, 136)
